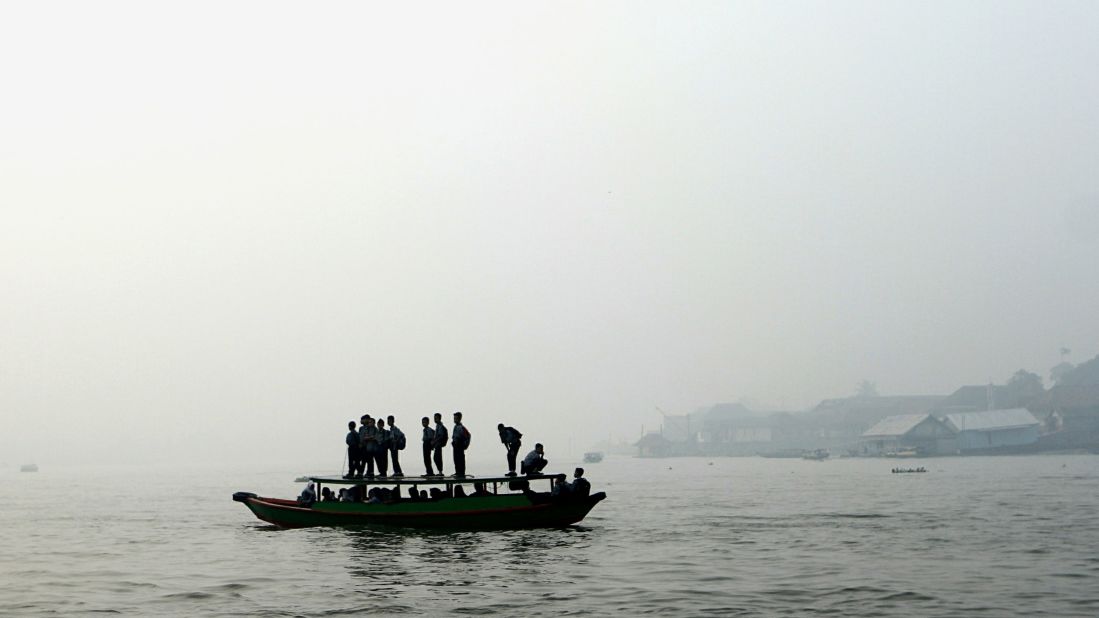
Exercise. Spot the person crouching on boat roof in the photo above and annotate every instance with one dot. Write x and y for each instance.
(512, 439)
(460, 442)
(441, 437)
(353, 453)
(429, 445)
(382, 454)
(534, 461)
(397, 442)
(368, 434)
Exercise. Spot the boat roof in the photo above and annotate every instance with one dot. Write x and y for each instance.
(428, 480)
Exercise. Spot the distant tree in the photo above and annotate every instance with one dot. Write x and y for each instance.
(1084, 374)
(1059, 371)
(867, 388)
(1022, 387)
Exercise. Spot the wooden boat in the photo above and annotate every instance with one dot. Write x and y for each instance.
(28, 468)
(593, 457)
(510, 505)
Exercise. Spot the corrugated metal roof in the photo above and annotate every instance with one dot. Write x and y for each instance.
(895, 425)
(992, 419)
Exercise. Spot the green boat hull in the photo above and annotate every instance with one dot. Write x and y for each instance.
(497, 512)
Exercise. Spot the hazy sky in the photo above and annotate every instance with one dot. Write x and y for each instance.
(228, 228)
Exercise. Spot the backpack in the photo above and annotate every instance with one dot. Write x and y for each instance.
(400, 442)
(469, 437)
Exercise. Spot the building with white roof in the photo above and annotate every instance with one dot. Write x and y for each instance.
(994, 428)
(922, 433)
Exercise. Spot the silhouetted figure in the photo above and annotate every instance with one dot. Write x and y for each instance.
(368, 445)
(535, 461)
(459, 442)
(580, 487)
(429, 445)
(381, 455)
(459, 492)
(512, 440)
(479, 490)
(354, 453)
(396, 443)
(326, 495)
(413, 495)
(441, 438)
(308, 495)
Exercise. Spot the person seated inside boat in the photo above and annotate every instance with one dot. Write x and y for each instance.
(423, 495)
(580, 486)
(437, 494)
(413, 495)
(459, 492)
(374, 496)
(479, 490)
(535, 461)
(308, 495)
(327, 495)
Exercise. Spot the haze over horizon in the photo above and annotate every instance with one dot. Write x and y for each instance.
(227, 229)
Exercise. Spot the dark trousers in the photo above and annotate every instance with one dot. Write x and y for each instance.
(396, 463)
(535, 467)
(369, 454)
(354, 460)
(427, 460)
(382, 456)
(459, 461)
(513, 450)
(439, 459)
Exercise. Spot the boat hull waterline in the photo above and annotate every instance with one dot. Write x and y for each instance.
(513, 511)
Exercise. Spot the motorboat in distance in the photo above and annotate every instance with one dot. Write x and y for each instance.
(505, 503)
(593, 457)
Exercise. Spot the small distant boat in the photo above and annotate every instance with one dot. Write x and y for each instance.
(301, 479)
(818, 455)
(919, 470)
(28, 468)
(593, 457)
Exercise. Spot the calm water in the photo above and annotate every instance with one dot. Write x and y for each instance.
(976, 536)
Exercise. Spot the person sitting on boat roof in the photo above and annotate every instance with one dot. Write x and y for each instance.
(512, 440)
(460, 443)
(429, 445)
(535, 461)
(479, 490)
(368, 433)
(382, 454)
(353, 453)
(396, 443)
(441, 438)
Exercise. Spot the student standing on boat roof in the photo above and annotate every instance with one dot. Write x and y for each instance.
(383, 449)
(534, 461)
(369, 435)
(429, 445)
(363, 420)
(511, 438)
(397, 443)
(441, 437)
(353, 455)
(460, 442)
